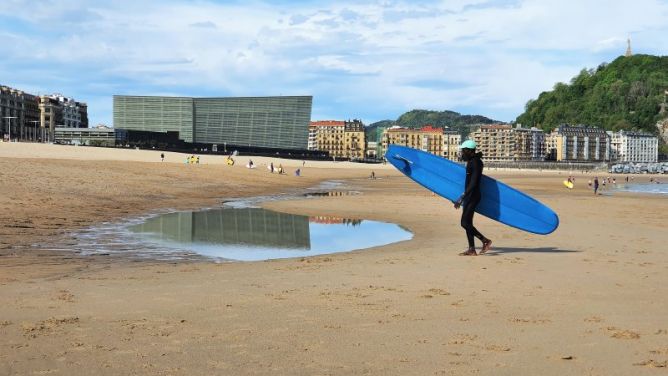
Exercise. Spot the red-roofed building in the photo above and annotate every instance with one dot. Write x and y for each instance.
(342, 139)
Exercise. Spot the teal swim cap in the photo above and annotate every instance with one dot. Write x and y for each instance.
(468, 144)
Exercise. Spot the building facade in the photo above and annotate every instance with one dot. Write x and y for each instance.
(50, 116)
(496, 142)
(427, 138)
(97, 136)
(529, 144)
(374, 140)
(19, 115)
(579, 144)
(328, 136)
(73, 114)
(354, 138)
(264, 122)
(633, 147)
(341, 139)
(451, 142)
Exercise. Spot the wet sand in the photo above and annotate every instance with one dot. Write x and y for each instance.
(587, 299)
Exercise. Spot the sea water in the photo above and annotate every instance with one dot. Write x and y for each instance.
(655, 188)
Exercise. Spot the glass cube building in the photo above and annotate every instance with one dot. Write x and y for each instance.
(265, 122)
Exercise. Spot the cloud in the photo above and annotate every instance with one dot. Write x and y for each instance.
(371, 60)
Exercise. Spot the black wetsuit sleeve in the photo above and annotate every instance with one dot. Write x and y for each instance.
(474, 180)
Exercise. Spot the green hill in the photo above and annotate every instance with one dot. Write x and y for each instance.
(441, 119)
(625, 94)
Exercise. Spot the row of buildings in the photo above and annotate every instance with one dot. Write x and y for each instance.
(283, 124)
(29, 117)
(577, 143)
(498, 142)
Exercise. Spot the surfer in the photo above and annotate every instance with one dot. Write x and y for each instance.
(471, 197)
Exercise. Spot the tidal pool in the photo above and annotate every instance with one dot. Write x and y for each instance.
(252, 234)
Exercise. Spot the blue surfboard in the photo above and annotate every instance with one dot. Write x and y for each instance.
(500, 202)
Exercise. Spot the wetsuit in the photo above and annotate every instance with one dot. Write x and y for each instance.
(471, 198)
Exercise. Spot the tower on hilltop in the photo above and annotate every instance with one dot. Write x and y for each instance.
(628, 48)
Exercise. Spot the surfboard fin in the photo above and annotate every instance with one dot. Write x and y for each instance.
(399, 157)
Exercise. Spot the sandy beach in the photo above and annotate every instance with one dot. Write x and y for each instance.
(588, 299)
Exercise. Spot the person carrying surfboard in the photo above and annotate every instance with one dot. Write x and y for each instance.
(471, 197)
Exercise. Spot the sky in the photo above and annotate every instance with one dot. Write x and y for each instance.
(370, 60)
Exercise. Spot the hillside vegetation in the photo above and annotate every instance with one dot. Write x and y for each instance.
(623, 95)
(440, 119)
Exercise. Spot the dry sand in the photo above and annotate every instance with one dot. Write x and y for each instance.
(587, 299)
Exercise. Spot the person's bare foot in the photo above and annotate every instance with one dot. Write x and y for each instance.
(469, 252)
(486, 246)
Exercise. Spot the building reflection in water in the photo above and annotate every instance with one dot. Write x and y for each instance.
(247, 226)
(327, 220)
(252, 234)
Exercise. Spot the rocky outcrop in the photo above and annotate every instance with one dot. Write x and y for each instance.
(662, 125)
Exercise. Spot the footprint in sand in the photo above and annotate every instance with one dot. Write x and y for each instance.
(652, 363)
(65, 296)
(497, 348)
(622, 334)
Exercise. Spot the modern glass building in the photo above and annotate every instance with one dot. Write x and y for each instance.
(265, 122)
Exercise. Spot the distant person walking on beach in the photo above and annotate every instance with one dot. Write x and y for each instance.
(596, 185)
(471, 197)
(162, 157)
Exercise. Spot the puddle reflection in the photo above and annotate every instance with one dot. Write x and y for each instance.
(251, 234)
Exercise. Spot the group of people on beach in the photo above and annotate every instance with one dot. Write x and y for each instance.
(596, 184)
(190, 159)
(272, 169)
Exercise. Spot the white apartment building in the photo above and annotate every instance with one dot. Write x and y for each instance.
(633, 147)
(74, 114)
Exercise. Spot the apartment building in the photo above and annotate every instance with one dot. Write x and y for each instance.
(354, 139)
(427, 138)
(497, 142)
(529, 144)
(327, 135)
(73, 114)
(579, 143)
(633, 147)
(19, 115)
(341, 139)
(451, 142)
(50, 116)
